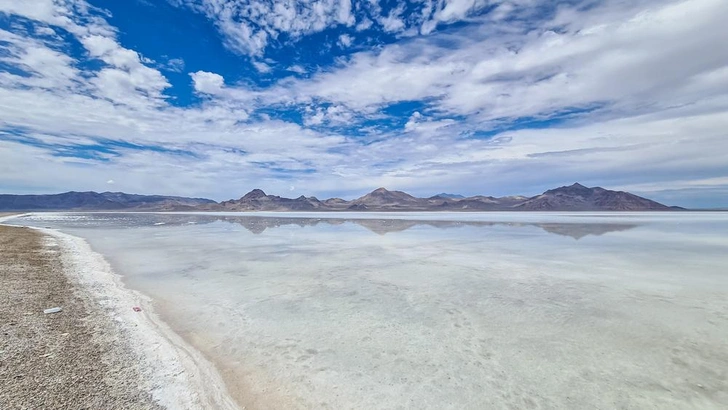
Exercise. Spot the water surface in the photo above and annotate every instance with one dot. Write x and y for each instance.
(441, 311)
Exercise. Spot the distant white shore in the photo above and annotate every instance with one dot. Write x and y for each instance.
(444, 216)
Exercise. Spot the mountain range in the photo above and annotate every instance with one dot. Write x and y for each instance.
(574, 197)
(93, 201)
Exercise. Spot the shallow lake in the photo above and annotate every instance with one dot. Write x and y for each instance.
(437, 310)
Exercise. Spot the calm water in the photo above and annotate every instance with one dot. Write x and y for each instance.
(440, 311)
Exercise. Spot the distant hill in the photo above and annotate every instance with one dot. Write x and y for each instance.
(257, 200)
(381, 197)
(575, 197)
(449, 196)
(93, 201)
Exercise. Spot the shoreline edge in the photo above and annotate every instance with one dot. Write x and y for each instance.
(174, 373)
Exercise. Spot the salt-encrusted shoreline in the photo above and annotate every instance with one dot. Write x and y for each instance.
(175, 374)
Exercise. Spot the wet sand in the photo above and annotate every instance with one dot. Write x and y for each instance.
(98, 352)
(68, 359)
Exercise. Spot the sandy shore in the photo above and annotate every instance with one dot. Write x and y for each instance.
(98, 352)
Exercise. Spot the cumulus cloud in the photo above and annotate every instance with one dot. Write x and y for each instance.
(345, 40)
(251, 27)
(207, 83)
(332, 115)
(619, 95)
(393, 22)
(364, 24)
(613, 63)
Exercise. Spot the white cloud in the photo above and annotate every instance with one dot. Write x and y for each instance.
(413, 121)
(344, 13)
(48, 68)
(262, 67)
(297, 69)
(332, 115)
(208, 83)
(620, 63)
(393, 22)
(458, 9)
(656, 71)
(678, 184)
(45, 31)
(316, 119)
(364, 24)
(345, 40)
(176, 65)
(41, 10)
(248, 27)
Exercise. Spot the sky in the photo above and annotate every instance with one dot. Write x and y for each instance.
(212, 98)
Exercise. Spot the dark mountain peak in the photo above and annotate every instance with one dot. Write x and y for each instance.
(573, 189)
(448, 196)
(335, 201)
(577, 197)
(254, 194)
(384, 192)
(358, 207)
(90, 200)
(382, 196)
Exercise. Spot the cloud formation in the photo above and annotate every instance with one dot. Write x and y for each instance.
(498, 98)
(249, 26)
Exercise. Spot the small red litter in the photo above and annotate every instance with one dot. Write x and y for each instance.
(137, 309)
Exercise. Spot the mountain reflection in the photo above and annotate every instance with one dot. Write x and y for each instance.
(258, 225)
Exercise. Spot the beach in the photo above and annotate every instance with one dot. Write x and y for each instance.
(98, 351)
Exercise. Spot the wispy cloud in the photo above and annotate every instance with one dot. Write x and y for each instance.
(248, 27)
(519, 96)
(174, 64)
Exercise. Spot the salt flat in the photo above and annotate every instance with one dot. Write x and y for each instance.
(458, 311)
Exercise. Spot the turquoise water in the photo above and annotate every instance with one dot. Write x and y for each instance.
(482, 310)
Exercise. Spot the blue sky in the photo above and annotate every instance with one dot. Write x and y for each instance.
(335, 98)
